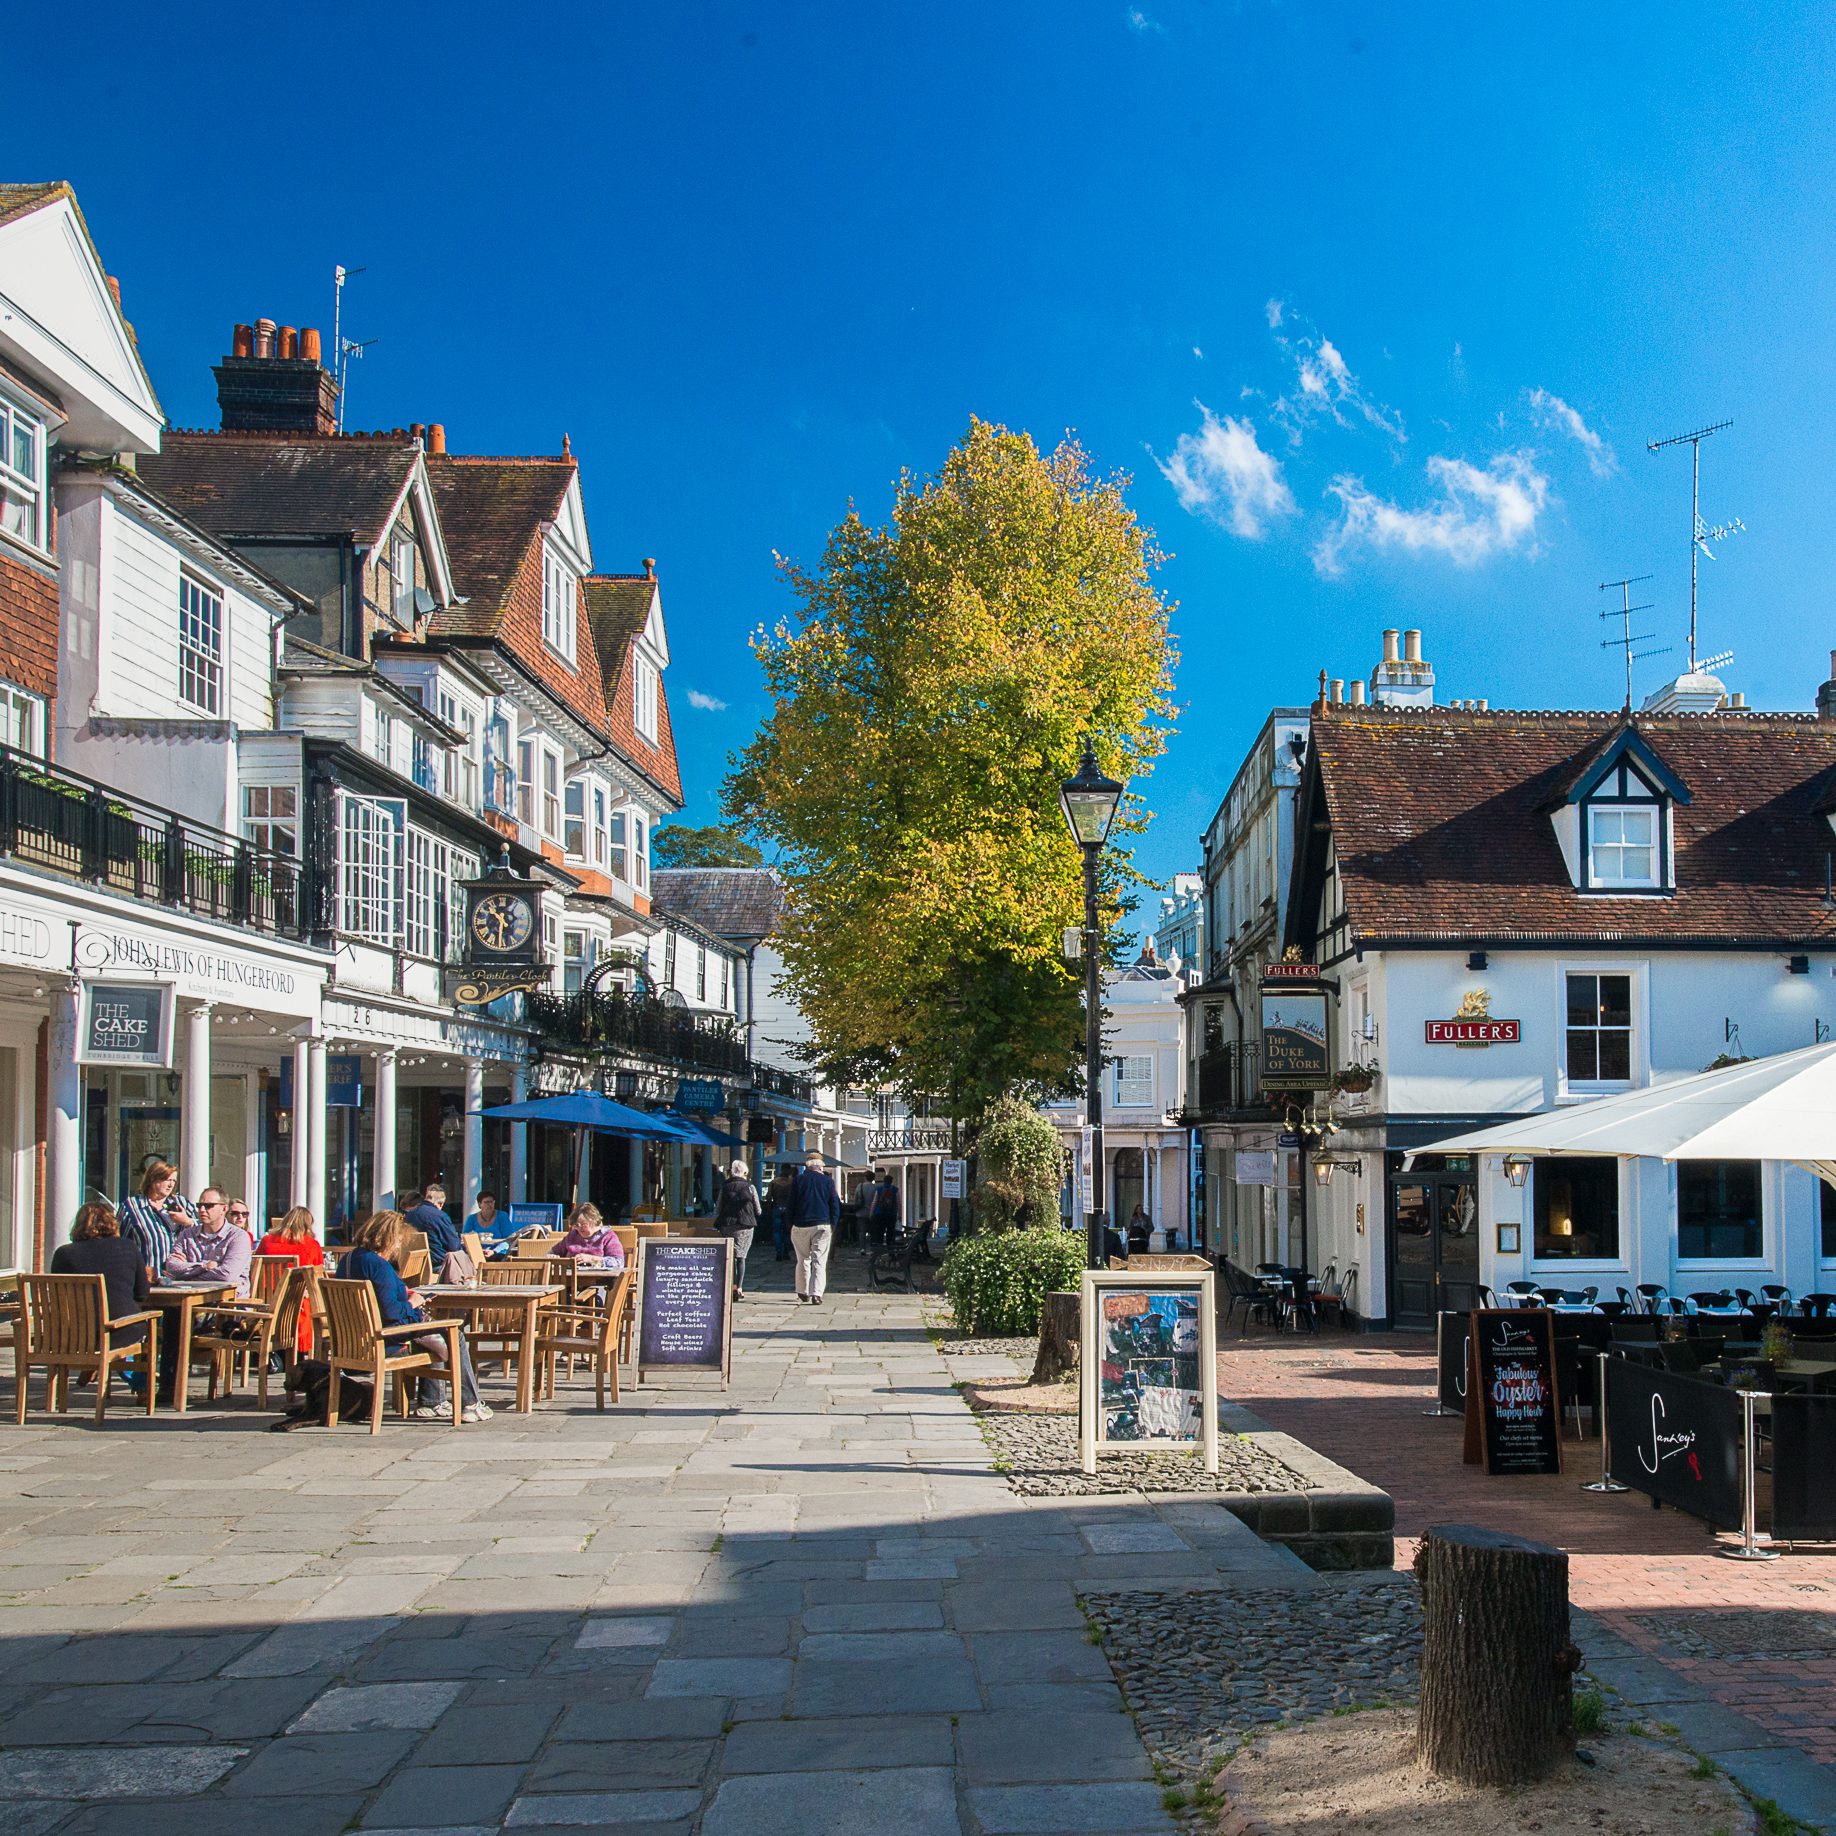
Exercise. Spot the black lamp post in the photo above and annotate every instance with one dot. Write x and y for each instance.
(1090, 801)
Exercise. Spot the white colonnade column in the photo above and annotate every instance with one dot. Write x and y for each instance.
(309, 1132)
(302, 1131)
(474, 1137)
(194, 1126)
(383, 1151)
(64, 1119)
(519, 1139)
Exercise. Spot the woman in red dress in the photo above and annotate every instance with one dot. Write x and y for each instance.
(292, 1238)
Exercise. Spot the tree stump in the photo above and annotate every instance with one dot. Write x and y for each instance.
(1497, 1664)
(1058, 1338)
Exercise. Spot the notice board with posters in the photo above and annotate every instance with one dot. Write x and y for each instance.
(1148, 1380)
(685, 1305)
(1513, 1411)
(1676, 1438)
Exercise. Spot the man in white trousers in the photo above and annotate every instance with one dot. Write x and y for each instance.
(815, 1206)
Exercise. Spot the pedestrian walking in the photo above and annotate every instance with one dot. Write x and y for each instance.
(736, 1215)
(814, 1207)
(777, 1212)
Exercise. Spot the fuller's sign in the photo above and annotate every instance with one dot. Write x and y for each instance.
(1473, 1025)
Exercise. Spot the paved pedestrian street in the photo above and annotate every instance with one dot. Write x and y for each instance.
(805, 1604)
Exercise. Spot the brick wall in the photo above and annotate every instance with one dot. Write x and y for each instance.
(28, 625)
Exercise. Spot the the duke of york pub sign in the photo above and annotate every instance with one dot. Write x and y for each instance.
(1473, 1025)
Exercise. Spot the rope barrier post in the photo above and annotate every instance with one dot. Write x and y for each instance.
(1747, 1549)
(1606, 1482)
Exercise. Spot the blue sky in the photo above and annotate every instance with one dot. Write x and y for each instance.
(1379, 306)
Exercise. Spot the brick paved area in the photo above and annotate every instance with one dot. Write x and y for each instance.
(1638, 1572)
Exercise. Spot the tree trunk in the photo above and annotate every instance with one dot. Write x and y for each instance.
(1058, 1338)
(1497, 1664)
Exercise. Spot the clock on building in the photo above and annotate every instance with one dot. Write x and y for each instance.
(503, 938)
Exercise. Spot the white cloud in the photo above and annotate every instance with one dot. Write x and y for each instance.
(1324, 386)
(1552, 412)
(1138, 21)
(1478, 514)
(1221, 472)
(707, 703)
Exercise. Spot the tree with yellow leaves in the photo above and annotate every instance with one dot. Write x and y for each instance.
(927, 703)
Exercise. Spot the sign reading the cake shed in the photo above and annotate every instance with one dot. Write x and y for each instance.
(126, 1023)
(685, 1310)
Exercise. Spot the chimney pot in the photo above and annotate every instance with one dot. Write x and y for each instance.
(242, 341)
(1338, 690)
(309, 344)
(1737, 700)
(419, 430)
(1412, 646)
(1357, 693)
(436, 436)
(1391, 639)
(289, 342)
(264, 337)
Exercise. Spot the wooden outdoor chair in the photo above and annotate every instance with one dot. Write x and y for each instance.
(474, 1247)
(250, 1332)
(417, 1267)
(64, 1325)
(495, 1334)
(535, 1246)
(591, 1333)
(358, 1341)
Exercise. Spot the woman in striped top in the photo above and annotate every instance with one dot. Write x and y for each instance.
(149, 1219)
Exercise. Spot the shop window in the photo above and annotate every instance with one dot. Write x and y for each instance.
(1599, 1036)
(1577, 1208)
(1719, 1217)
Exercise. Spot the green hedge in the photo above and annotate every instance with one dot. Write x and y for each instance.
(997, 1281)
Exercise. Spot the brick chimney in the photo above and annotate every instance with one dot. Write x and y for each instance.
(273, 382)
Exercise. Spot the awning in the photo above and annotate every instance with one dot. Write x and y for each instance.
(1779, 1108)
(587, 1109)
(699, 1131)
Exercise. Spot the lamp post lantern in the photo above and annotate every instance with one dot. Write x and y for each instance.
(1090, 801)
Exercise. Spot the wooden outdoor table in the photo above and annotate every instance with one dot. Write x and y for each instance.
(186, 1297)
(532, 1296)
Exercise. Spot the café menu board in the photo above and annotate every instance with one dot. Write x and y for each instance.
(685, 1312)
(1513, 1414)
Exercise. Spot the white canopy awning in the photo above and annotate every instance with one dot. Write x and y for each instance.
(1779, 1108)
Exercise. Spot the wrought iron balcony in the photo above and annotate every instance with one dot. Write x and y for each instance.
(611, 1021)
(61, 823)
(774, 1080)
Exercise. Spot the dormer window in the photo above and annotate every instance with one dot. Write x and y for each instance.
(560, 604)
(644, 696)
(1614, 819)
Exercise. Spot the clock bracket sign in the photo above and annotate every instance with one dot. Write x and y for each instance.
(503, 938)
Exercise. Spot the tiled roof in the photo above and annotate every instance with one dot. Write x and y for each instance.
(1440, 819)
(16, 200)
(740, 903)
(618, 608)
(491, 511)
(283, 484)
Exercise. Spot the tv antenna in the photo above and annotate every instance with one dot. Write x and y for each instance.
(343, 348)
(1627, 638)
(1701, 533)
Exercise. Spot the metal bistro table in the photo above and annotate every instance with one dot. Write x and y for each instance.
(443, 1298)
(185, 1298)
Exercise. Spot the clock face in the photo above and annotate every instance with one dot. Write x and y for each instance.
(501, 922)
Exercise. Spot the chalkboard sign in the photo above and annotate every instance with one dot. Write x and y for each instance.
(685, 1305)
(1513, 1413)
(1454, 1331)
(1677, 1439)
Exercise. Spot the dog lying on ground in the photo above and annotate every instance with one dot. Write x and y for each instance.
(309, 1390)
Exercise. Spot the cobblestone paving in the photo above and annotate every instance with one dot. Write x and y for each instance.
(1040, 1457)
(804, 1604)
(1634, 1572)
(1203, 1672)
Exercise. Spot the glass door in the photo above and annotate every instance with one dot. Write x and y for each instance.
(1434, 1248)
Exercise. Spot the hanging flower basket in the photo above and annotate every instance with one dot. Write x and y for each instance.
(1355, 1080)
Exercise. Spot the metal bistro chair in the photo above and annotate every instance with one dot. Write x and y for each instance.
(357, 1341)
(64, 1325)
(1654, 1295)
(1522, 1292)
(1817, 1306)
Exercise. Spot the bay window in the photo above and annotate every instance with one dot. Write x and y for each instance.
(370, 866)
(574, 812)
(22, 476)
(621, 853)
(270, 817)
(22, 720)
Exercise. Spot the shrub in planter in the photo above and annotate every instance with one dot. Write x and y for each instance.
(997, 1281)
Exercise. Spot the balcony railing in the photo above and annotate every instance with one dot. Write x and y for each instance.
(53, 819)
(774, 1080)
(1229, 1077)
(614, 1022)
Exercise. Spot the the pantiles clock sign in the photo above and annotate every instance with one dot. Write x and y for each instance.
(1473, 1025)
(503, 939)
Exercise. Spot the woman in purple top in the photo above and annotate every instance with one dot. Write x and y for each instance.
(588, 1234)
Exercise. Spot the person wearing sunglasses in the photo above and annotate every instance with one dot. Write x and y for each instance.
(239, 1215)
(214, 1248)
